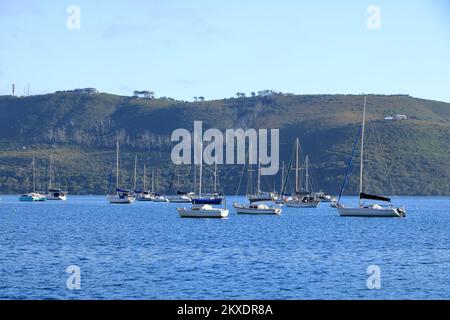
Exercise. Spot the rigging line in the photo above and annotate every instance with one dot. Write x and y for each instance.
(349, 164)
(289, 168)
(242, 176)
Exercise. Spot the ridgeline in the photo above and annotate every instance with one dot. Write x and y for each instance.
(407, 157)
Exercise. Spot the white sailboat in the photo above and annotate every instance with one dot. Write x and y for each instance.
(54, 193)
(256, 201)
(202, 210)
(301, 199)
(158, 197)
(180, 197)
(33, 196)
(144, 194)
(367, 210)
(121, 196)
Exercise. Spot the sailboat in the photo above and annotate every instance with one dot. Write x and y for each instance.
(144, 194)
(301, 199)
(180, 197)
(158, 197)
(33, 196)
(321, 195)
(121, 196)
(366, 210)
(256, 203)
(202, 210)
(280, 197)
(214, 198)
(53, 193)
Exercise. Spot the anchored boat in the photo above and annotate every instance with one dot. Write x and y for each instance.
(33, 196)
(301, 199)
(366, 210)
(54, 193)
(256, 200)
(202, 210)
(121, 196)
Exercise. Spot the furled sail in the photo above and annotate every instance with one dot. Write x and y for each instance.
(373, 197)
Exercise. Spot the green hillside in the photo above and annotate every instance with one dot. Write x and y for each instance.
(403, 157)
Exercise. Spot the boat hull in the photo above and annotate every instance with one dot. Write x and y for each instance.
(119, 200)
(215, 213)
(246, 210)
(60, 198)
(179, 201)
(31, 199)
(299, 204)
(213, 201)
(370, 212)
(144, 199)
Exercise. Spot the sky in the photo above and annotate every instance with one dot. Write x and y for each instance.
(214, 49)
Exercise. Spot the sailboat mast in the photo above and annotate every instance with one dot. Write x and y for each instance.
(195, 178)
(200, 172)
(362, 152)
(153, 180)
(50, 171)
(34, 174)
(259, 179)
(307, 173)
(177, 170)
(215, 176)
(282, 176)
(297, 176)
(117, 164)
(144, 183)
(135, 172)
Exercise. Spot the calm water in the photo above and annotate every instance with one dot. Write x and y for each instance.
(145, 251)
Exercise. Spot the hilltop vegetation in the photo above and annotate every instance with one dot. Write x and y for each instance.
(81, 129)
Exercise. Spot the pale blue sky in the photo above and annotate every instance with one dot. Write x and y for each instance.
(216, 48)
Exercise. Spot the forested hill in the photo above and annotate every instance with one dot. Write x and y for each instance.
(402, 157)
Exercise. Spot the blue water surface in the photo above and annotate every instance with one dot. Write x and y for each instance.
(145, 251)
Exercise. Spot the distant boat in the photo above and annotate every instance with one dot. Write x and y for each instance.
(324, 197)
(181, 196)
(255, 206)
(158, 197)
(54, 193)
(301, 199)
(144, 194)
(215, 198)
(33, 196)
(202, 210)
(121, 196)
(366, 210)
